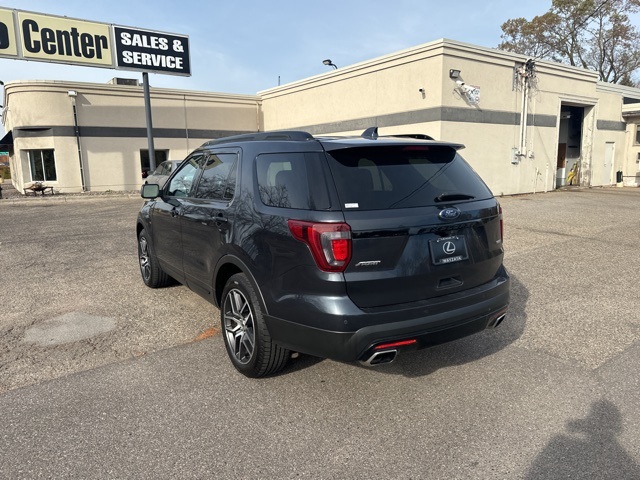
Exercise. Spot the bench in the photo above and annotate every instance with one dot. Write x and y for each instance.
(38, 187)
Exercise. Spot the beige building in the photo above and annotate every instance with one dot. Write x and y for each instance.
(109, 149)
(528, 126)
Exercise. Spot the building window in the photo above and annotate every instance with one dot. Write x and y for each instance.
(161, 156)
(43, 166)
(637, 134)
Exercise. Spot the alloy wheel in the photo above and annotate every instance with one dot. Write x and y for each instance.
(239, 326)
(145, 265)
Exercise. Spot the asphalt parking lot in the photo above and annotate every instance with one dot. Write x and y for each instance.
(101, 377)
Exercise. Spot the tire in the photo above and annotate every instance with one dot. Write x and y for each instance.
(245, 333)
(152, 275)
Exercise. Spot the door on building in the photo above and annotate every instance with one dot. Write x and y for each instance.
(569, 145)
(607, 169)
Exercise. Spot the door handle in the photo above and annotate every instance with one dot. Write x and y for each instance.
(220, 219)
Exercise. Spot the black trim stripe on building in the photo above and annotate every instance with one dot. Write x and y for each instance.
(611, 125)
(437, 114)
(122, 132)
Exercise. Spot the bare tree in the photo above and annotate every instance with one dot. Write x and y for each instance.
(593, 34)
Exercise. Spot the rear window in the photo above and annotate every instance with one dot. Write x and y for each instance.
(403, 176)
(293, 180)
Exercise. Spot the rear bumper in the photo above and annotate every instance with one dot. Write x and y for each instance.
(447, 320)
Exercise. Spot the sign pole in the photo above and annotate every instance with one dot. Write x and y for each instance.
(147, 108)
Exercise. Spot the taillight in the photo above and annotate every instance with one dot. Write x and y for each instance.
(501, 224)
(330, 243)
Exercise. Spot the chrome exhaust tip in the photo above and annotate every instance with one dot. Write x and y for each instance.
(380, 357)
(495, 322)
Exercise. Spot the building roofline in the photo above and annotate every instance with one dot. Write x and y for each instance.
(425, 48)
(108, 87)
(623, 90)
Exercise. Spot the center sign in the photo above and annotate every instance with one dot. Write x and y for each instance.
(47, 38)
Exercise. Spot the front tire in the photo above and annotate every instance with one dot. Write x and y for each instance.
(152, 274)
(245, 333)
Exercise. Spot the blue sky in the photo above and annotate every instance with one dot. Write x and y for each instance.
(244, 46)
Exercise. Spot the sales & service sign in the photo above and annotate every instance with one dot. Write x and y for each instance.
(152, 51)
(50, 38)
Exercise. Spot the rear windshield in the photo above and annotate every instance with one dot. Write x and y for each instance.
(403, 176)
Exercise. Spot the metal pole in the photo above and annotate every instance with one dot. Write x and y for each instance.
(147, 108)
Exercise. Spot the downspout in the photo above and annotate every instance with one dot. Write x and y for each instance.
(523, 118)
(186, 123)
(73, 94)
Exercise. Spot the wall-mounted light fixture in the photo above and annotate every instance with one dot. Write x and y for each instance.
(72, 93)
(329, 63)
(454, 73)
(421, 90)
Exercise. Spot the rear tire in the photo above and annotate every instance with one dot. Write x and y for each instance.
(245, 333)
(152, 275)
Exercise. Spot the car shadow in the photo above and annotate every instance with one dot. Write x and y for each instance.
(468, 349)
(587, 449)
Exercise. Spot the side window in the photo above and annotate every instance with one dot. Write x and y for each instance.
(218, 180)
(181, 184)
(293, 180)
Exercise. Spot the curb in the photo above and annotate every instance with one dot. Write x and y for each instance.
(64, 198)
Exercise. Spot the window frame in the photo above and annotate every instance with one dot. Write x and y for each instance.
(31, 161)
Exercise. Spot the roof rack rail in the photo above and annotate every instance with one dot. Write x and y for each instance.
(295, 135)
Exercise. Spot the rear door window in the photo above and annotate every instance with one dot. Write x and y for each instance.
(403, 176)
(293, 180)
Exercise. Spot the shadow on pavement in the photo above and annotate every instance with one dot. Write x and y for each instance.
(588, 449)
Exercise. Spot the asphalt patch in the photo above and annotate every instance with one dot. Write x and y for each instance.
(68, 328)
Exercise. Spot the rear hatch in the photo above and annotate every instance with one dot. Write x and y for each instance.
(423, 223)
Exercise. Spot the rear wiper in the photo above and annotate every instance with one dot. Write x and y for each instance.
(448, 197)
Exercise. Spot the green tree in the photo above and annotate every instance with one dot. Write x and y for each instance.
(593, 34)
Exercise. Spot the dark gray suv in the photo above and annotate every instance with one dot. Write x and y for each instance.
(342, 248)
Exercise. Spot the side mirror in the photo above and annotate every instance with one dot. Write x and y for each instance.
(150, 190)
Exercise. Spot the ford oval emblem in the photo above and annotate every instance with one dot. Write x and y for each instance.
(450, 213)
